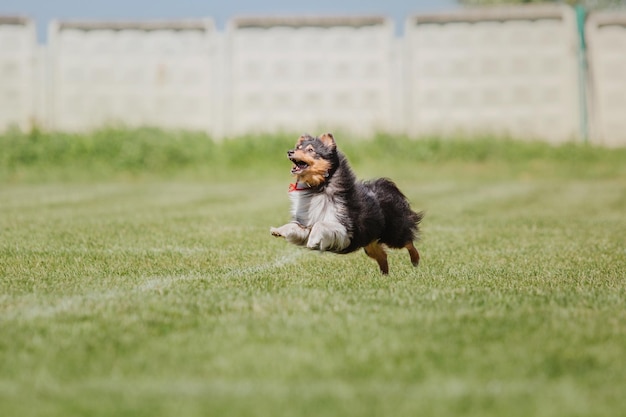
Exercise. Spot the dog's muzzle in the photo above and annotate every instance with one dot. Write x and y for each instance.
(298, 165)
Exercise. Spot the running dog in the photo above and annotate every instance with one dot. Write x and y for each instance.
(332, 211)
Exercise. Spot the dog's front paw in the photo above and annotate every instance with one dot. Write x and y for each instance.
(275, 232)
(293, 232)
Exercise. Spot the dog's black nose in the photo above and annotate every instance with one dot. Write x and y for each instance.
(290, 153)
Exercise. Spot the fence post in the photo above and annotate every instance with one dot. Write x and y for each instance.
(582, 73)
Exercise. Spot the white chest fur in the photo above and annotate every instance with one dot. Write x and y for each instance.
(308, 208)
(320, 214)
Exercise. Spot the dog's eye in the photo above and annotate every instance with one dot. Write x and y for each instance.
(310, 149)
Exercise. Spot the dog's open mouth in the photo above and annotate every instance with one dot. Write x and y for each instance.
(298, 166)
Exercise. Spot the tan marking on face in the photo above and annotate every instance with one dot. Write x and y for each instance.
(317, 169)
(299, 142)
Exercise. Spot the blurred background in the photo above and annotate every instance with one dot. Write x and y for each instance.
(551, 71)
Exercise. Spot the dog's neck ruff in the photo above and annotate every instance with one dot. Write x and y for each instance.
(303, 185)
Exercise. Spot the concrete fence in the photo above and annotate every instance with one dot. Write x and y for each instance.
(519, 71)
(20, 86)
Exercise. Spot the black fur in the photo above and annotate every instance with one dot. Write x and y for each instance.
(376, 210)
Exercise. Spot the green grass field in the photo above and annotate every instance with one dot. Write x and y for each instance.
(140, 279)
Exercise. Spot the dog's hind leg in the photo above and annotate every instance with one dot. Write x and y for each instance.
(413, 253)
(375, 251)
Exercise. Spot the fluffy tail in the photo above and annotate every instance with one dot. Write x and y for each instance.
(401, 223)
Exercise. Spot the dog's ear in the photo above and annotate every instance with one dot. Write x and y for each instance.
(328, 140)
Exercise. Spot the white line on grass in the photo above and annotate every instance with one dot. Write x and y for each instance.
(31, 307)
(157, 283)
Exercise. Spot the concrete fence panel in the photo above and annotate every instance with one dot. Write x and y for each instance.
(18, 73)
(308, 73)
(494, 70)
(606, 40)
(132, 73)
